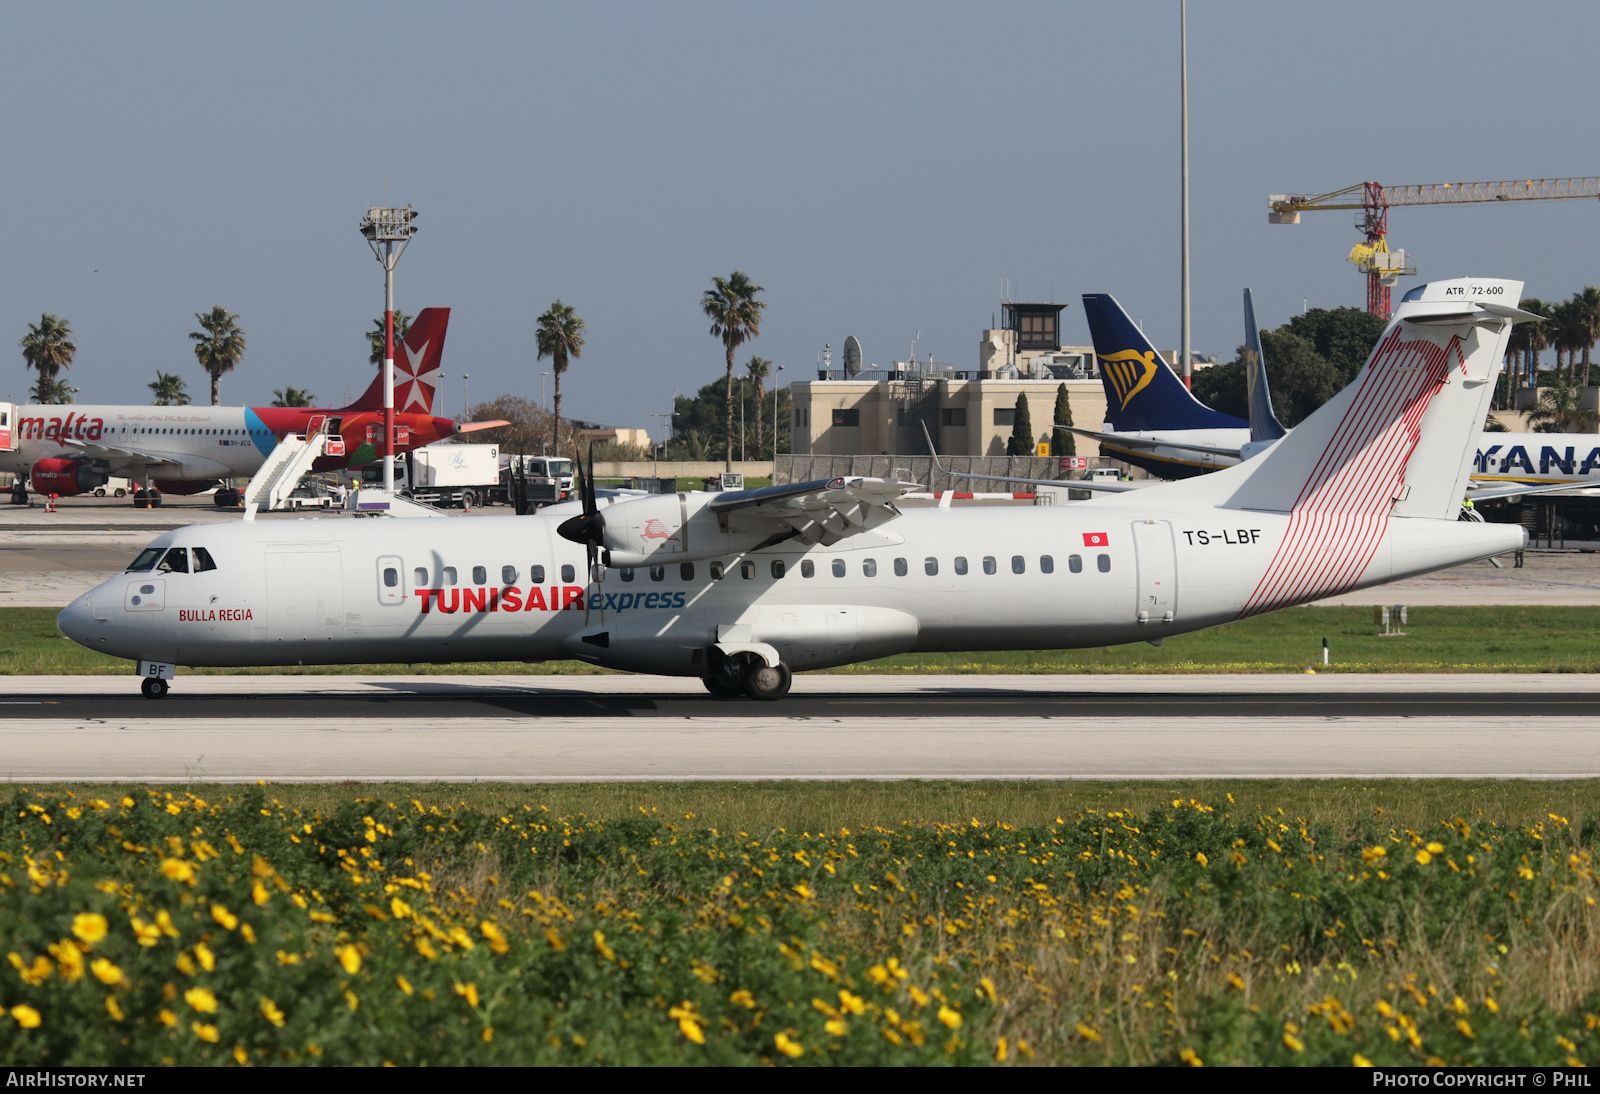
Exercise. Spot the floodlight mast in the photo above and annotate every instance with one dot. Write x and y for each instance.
(383, 228)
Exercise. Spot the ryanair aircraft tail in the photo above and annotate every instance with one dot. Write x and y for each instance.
(1264, 424)
(1142, 393)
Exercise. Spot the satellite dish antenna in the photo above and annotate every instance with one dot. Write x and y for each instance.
(852, 356)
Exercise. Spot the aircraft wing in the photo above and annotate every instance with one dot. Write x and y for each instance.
(1511, 490)
(118, 455)
(1147, 443)
(824, 511)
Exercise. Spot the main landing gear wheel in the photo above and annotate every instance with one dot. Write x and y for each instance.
(765, 683)
(154, 688)
(720, 687)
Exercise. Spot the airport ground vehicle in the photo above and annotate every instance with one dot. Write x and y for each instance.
(742, 587)
(446, 475)
(549, 479)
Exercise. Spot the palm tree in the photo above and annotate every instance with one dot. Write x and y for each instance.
(559, 336)
(219, 345)
(168, 390)
(402, 324)
(1586, 324)
(1535, 336)
(735, 318)
(759, 369)
(1560, 409)
(293, 396)
(48, 348)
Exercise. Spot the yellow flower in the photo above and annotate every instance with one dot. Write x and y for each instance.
(497, 939)
(350, 959)
(167, 1017)
(205, 1032)
(1236, 980)
(1465, 1028)
(1423, 857)
(804, 890)
(425, 948)
(201, 1000)
(949, 1017)
(787, 1045)
(1360, 1060)
(918, 996)
(113, 1009)
(1200, 857)
(987, 987)
(836, 1026)
(258, 893)
(241, 1055)
(224, 917)
(852, 1003)
(744, 999)
(688, 1022)
(469, 992)
(270, 1011)
(26, 1016)
(1436, 848)
(105, 972)
(405, 985)
(249, 933)
(553, 936)
(1293, 1042)
(208, 960)
(146, 934)
(177, 870)
(90, 927)
(69, 957)
(400, 908)
(1190, 1057)
(1087, 1032)
(127, 803)
(600, 944)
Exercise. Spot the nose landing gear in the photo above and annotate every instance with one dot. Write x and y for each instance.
(154, 688)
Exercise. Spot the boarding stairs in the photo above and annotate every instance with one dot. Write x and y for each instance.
(285, 466)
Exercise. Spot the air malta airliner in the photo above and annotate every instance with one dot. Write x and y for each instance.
(72, 449)
(745, 587)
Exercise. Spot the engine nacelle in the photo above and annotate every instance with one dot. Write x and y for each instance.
(665, 528)
(183, 486)
(67, 478)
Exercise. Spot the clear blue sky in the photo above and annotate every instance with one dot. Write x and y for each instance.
(877, 167)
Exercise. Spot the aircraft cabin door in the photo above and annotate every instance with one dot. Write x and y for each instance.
(305, 592)
(1158, 571)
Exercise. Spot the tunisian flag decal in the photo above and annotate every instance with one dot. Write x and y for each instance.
(1096, 539)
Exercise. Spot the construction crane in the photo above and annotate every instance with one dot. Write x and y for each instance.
(1382, 266)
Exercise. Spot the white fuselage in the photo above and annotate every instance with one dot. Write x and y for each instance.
(194, 442)
(511, 589)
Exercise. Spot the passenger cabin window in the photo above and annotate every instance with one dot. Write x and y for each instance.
(808, 568)
(1075, 563)
(747, 569)
(961, 565)
(869, 567)
(716, 571)
(900, 567)
(686, 571)
(419, 577)
(176, 562)
(447, 576)
(568, 573)
(930, 566)
(838, 567)
(480, 575)
(658, 573)
(777, 567)
(536, 574)
(391, 577)
(147, 560)
(1104, 563)
(1047, 565)
(508, 575)
(988, 564)
(627, 573)
(1019, 565)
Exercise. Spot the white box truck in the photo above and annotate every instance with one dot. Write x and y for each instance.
(443, 474)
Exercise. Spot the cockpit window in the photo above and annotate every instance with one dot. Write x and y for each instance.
(176, 562)
(203, 560)
(146, 560)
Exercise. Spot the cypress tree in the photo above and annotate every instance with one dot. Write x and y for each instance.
(1021, 430)
(1063, 443)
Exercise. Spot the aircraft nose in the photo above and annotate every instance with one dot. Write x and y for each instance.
(76, 620)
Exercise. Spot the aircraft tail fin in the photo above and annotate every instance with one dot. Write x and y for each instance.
(1264, 424)
(1399, 441)
(416, 367)
(1142, 393)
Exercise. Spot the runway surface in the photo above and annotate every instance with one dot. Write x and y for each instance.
(308, 728)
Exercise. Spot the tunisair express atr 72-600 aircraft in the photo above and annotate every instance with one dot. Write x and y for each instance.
(741, 588)
(72, 449)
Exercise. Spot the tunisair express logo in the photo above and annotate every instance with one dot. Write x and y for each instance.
(559, 598)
